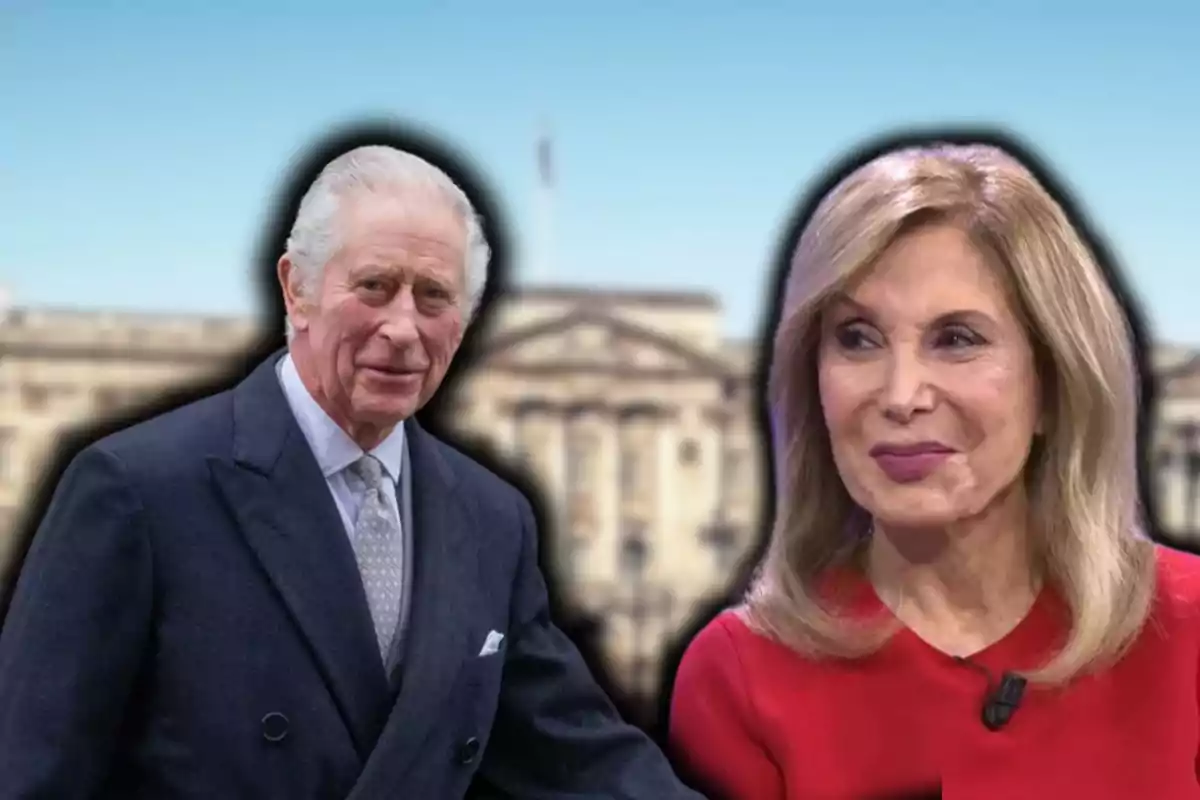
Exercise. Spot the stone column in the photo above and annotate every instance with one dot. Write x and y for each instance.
(671, 534)
(498, 422)
(599, 423)
(538, 442)
(1179, 503)
(594, 429)
(721, 533)
(1169, 479)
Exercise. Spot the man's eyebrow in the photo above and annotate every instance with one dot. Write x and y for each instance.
(372, 266)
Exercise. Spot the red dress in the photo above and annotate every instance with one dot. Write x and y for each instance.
(751, 720)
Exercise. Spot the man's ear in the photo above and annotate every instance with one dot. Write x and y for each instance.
(291, 284)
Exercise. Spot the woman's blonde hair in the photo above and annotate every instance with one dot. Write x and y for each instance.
(1082, 476)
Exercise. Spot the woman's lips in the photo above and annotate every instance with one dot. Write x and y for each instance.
(909, 463)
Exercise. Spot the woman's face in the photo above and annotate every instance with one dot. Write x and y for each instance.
(928, 383)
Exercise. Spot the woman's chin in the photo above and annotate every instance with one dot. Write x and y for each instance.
(901, 517)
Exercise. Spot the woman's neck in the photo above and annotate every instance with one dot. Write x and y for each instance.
(960, 587)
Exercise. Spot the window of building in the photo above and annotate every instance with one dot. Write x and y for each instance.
(726, 555)
(689, 452)
(635, 552)
(106, 399)
(35, 397)
(724, 540)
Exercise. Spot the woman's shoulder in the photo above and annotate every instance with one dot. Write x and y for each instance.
(721, 633)
(732, 640)
(731, 627)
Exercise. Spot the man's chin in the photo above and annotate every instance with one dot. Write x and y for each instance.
(386, 410)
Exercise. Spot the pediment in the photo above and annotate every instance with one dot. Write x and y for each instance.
(593, 340)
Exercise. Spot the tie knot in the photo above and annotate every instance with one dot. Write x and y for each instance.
(368, 472)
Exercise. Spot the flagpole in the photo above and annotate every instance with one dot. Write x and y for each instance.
(543, 262)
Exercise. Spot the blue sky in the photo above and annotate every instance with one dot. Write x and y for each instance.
(142, 141)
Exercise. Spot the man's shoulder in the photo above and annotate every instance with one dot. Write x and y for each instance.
(190, 431)
(501, 513)
(473, 472)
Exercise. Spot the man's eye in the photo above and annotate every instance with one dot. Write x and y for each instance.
(438, 293)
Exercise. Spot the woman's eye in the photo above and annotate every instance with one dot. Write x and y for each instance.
(957, 338)
(853, 338)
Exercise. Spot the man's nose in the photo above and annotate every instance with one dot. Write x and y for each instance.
(907, 390)
(400, 319)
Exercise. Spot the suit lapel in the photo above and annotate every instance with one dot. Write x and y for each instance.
(445, 574)
(283, 507)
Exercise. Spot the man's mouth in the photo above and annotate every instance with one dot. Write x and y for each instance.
(397, 372)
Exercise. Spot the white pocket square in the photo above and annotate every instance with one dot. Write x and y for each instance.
(492, 643)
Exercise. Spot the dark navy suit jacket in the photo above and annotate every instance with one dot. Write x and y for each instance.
(190, 623)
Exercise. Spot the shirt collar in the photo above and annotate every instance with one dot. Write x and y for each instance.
(332, 446)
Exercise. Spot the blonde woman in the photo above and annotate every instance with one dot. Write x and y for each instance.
(959, 592)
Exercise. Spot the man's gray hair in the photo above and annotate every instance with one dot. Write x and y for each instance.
(314, 238)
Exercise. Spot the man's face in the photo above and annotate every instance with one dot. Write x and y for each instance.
(377, 330)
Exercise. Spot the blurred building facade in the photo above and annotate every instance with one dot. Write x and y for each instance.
(632, 410)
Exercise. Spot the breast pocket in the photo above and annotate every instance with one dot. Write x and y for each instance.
(482, 677)
(484, 667)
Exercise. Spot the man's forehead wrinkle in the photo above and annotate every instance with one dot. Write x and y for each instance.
(414, 250)
(366, 238)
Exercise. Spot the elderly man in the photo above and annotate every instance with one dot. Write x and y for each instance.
(290, 590)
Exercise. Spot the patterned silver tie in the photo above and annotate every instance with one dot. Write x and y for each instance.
(378, 548)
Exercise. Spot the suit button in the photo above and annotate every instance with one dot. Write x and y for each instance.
(468, 750)
(274, 727)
